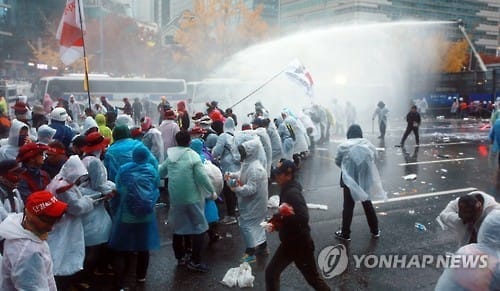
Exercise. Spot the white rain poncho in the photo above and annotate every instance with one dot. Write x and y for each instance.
(244, 136)
(66, 240)
(287, 140)
(154, 142)
(11, 148)
(26, 262)
(478, 277)
(301, 139)
(277, 150)
(223, 149)
(252, 195)
(266, 145)
(356, 158)
(96, 223)
(448, 218)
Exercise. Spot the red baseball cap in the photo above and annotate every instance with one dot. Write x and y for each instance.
(29, 150)
(44, 203)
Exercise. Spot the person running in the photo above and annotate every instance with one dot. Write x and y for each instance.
(413, 120)
(360, 180)
(292, 222)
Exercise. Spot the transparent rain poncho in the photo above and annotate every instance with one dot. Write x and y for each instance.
(477, 277)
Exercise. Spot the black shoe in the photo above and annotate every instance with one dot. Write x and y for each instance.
(342, 236)
(200, 267)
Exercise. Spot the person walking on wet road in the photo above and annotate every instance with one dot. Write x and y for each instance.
(360, 180)
(494, 137)
(413, 120)
(381, 112)
(292, 222)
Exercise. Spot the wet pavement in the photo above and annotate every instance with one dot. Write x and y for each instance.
(453, 159)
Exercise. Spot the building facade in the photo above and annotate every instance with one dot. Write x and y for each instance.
(481, 17)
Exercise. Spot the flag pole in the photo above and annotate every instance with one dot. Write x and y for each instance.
(257, 89)
(85, 61)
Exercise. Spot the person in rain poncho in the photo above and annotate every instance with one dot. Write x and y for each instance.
(312, 134)
(301, 139)
(464, 215)
(276, 148)
(381, 113)
(486, 274)
(187, 181)
(103, 129)
(120, 152)
(252, 192)
(18, 136)
(287, 137)
(169, 128)
(66, 241)
(134, 223)
(64, 133)
(265, 140)
(11, 201)
(96, 223)
(211, 210)
(26, 263)
(494, 137)
(152, 139)
(223, 152)
(360, 180)
(495, 114)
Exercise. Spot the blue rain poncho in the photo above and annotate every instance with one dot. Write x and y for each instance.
(276, 147)
(134, 221)
(301, 140)
(477, 277)
(495, 135)
(66, 240)
(252, 195)
(356, 158)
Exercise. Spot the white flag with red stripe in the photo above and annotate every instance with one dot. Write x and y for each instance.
(298, 73)
(69, 32)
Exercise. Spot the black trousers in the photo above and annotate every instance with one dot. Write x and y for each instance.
(189, 243)
(408, 130)
(382, 126)
(300, 253)
(122, 262)
(230, 199)
(348, 211)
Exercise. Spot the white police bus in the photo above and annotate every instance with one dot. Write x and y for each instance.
(113, 88)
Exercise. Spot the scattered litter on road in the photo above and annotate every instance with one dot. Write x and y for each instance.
(443, 177)
(411, 211)
(446, 139)
(422, 182)
(460, 154)
(396, 194)
(410, 177)
(443, 156)
(240, 276)
(444, 170)
(420, 226)
(382, 213)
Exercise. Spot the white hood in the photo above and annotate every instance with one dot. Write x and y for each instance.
(11, 228)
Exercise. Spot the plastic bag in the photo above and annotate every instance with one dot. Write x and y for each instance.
(240, 276)
(273, 201)
(231, 277)
(245, 277)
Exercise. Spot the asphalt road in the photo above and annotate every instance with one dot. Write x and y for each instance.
(453, 159)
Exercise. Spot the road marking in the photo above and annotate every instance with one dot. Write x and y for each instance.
(321, 149)
(438, 161)
(442, 144)
(424, 195)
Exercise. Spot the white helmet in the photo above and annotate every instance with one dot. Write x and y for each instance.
(59, 114)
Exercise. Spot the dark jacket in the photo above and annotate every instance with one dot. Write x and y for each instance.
(412, 117)
(295, 227)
